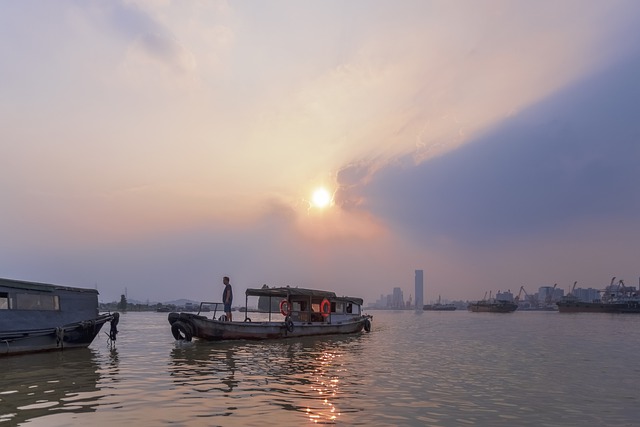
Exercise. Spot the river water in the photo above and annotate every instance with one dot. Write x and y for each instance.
(413, 369)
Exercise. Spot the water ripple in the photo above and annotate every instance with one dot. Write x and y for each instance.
(437, 369)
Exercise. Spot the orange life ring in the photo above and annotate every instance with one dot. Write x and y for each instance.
(325, 307)
(285, 307)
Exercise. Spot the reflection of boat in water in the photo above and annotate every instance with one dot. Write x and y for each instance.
(50, 383)
(539, 308)
(439, 306)
(616, 298)
(216, 366)
(492, 305)
(305, 312)
(39, 317)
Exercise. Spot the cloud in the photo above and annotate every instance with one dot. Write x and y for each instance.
(152, 49)
(570, 158)
(164, 49)
(182, 39)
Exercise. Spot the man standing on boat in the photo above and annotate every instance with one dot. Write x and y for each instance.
(227, 297)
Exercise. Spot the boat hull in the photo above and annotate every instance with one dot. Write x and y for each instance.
(439, 307)
(185, 326)
(492, 308)
(75, 335)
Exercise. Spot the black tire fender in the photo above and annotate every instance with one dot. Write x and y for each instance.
(367, 325)
(288, 323)
(181, 331)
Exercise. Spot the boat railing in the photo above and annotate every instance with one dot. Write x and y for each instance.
(209, 303)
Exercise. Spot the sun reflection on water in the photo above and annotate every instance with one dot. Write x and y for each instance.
(326, 386)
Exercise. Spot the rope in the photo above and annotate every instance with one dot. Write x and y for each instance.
(60, 337)
(113, 332)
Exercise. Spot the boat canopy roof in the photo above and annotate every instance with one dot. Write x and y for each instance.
(40, 287)
(285, 292)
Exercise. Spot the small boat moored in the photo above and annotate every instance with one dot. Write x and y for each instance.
(42, 317)
(302, 312)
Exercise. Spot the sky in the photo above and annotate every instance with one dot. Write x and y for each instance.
(153, 147)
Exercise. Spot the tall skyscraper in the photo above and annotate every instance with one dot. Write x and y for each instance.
(419, 289)
(398, 298)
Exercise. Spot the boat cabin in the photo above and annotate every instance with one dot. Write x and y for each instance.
(306, 305)
(30, 305)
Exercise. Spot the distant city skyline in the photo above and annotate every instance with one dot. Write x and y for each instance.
(542, 295)
(396, 299)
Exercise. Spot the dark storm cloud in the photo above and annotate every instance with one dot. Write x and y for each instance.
(572, 157)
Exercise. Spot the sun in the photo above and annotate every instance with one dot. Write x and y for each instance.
(321, 198)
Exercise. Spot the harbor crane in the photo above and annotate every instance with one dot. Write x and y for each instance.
(572, 288)
(517, 298)
(531, 299)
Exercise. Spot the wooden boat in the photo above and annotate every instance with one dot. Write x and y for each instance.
(40, 317)
(303, 312)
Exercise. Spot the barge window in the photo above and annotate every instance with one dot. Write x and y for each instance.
(37, 302)
(337, 307)
(4, 301)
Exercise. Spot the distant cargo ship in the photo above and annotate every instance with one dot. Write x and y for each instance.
(439, 307)
(492, 306)
(616, 298)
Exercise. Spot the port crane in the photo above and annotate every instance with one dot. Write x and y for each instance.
(572, 288)
(517, 298)
(609, 292)
(528, 298)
